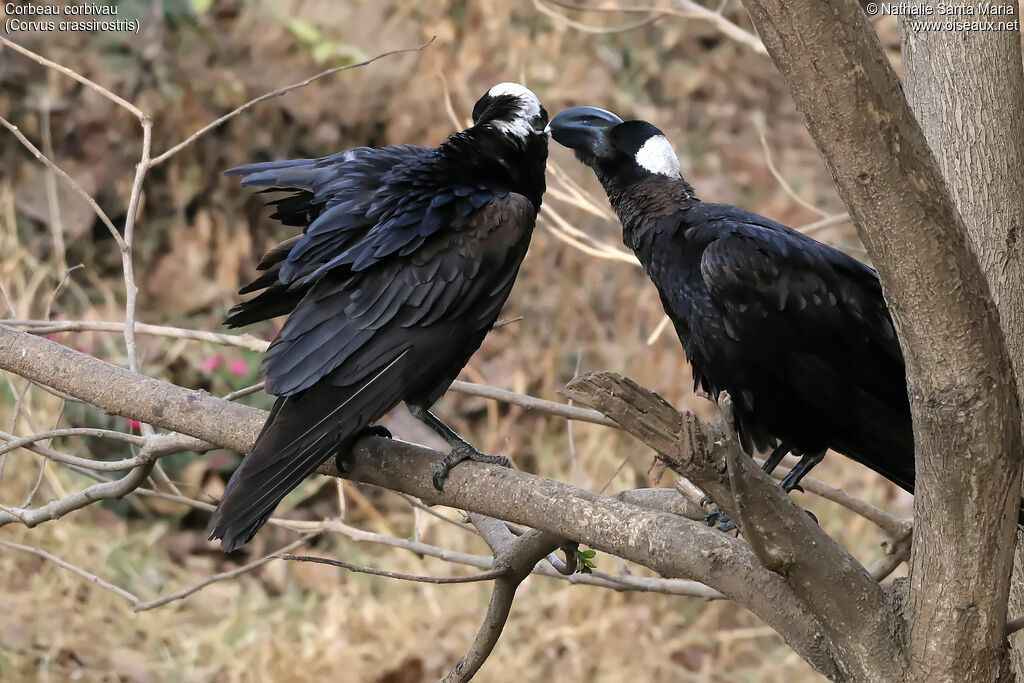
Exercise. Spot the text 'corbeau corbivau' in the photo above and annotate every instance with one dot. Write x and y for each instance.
(796, 331)
(407, 256)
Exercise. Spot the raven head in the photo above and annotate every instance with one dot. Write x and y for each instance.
(512, 109)
(614, 148)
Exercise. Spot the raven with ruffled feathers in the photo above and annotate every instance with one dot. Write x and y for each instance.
(407, 256)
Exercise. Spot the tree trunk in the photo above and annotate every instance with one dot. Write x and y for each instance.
(967, 90)
(967, 426)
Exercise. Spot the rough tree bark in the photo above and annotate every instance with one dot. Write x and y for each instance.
(963, 397)
(967, 91)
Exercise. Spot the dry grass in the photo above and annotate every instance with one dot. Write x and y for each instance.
(198, 238)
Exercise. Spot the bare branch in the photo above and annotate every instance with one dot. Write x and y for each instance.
(515, 558)
(683, 8)
(251, 343)
(72, 568)
(159, 159)
(244, 341)
(141, 606)
(586, 28)
(858, 618)
(896, 528)
(685, 548)
(58, 508)
(532, 403)
(72, 431)
(76, 76)
(758, 120)
(78, 189)
(826, 222)
(131, 290)
(475, 578)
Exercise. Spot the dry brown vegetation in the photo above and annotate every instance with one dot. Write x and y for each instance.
(198, 238)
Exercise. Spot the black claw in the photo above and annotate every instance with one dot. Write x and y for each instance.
(341, 456)
(720, 520)
(811, 515)
(376, 430)
(440, 474)
(716, 516)
(460, 454)
(342, 461)
(727, 526)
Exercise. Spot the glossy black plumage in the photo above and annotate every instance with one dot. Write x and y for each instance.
(407, 257)
(796, 331)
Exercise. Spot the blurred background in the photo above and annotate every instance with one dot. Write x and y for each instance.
(198, 238)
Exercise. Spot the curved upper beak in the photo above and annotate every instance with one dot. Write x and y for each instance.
(583, 128)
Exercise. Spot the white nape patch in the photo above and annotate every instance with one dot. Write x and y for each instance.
(529, 108)
(657, 156)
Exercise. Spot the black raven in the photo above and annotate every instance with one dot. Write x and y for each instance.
(407, 256)
(797, 332)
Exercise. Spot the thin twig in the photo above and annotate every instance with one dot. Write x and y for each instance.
(244, 341)
(75, 75)
(586, 28)
(532, 403)
(70, 567)
(684, 8)
(826, 222)
(661, 327)
(78, 189)
(230, 574)
(246, 391)
(131, 289)
(56, 222)
(253, 344)
(476, 578)
(71, 431)
(159, 159)
(417, 505)
(758, 121)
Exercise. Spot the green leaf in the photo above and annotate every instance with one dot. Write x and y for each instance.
(202, 6)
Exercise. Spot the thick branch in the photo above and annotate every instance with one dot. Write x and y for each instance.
(857, 617)
(516, 558)
(665, 542)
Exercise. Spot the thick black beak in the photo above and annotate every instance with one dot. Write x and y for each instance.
(584, 129)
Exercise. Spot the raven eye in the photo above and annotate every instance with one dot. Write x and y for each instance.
(539, 123)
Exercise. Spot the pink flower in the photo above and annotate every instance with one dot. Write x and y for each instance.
(134, 425)
(239, 367)
(211, 363)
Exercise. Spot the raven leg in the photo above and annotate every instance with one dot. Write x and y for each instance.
(461, 450)
(775, 458)
(806, 464)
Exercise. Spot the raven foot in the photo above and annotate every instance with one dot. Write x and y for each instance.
(341, 456)
(718, 518)
(462, 452)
